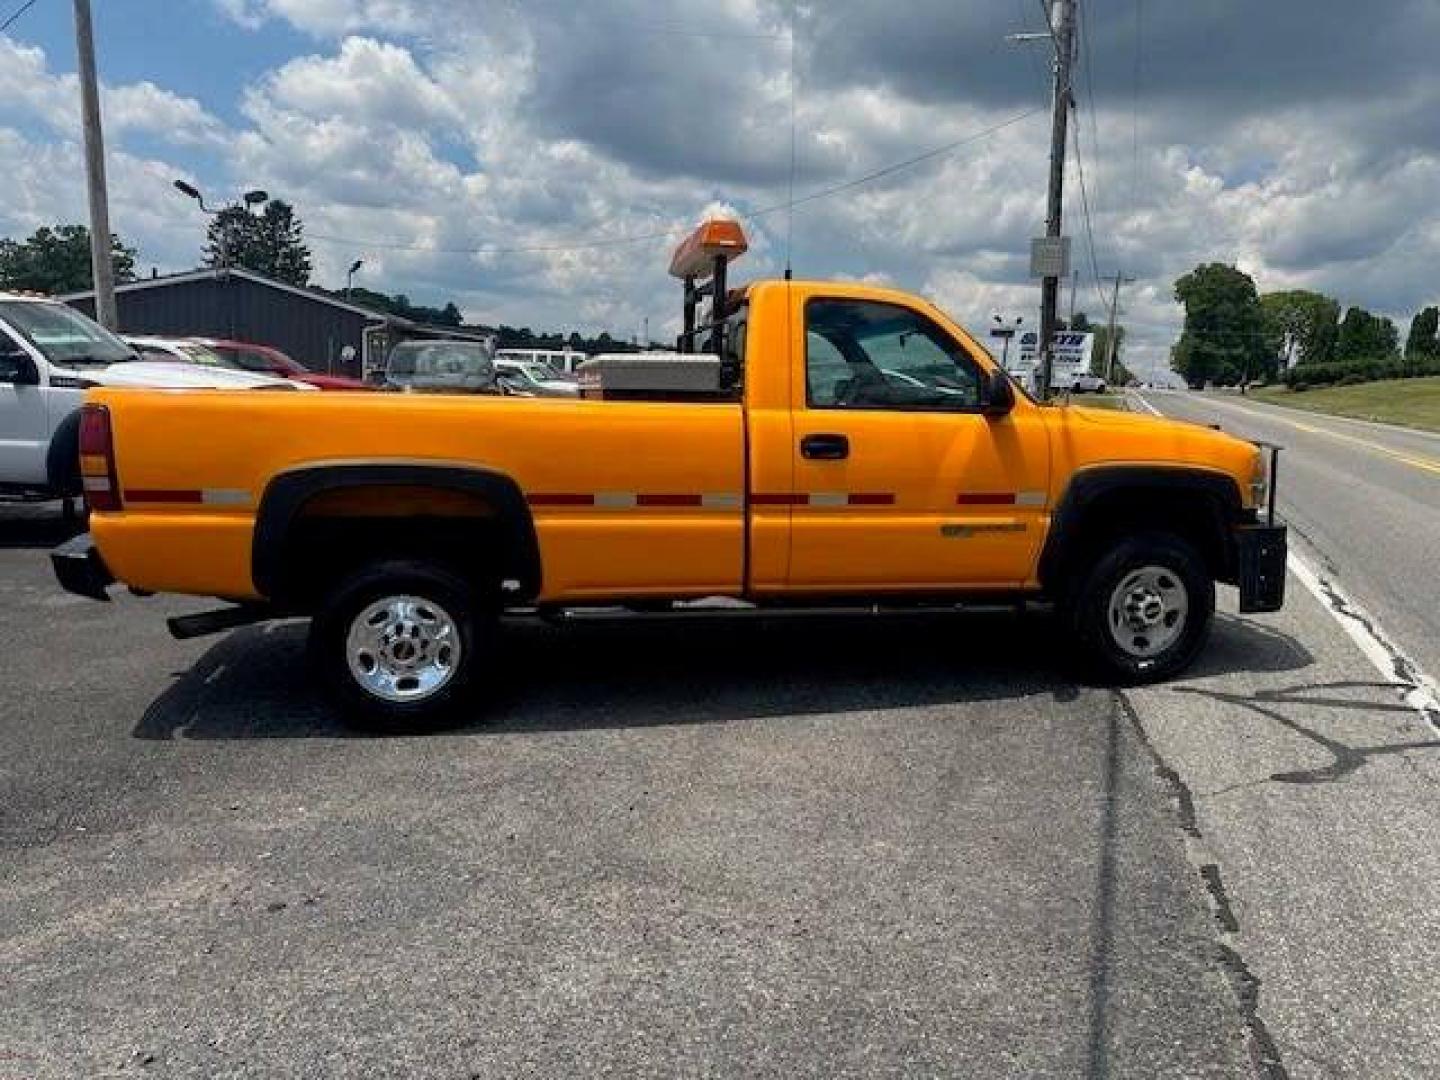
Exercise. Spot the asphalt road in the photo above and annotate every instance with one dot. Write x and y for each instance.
(851, 848)
(1364, 500)
(861, 848)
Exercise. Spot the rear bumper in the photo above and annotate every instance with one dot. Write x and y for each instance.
(80, 569)
(1260, 554)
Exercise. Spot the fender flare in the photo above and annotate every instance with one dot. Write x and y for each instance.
(286, 495)
(1087, 487)
(62, 459)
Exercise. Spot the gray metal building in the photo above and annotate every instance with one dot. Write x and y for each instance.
(310, 326)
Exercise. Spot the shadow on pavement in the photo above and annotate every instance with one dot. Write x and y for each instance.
(645, 671)
(1238, 644)
(35, 525)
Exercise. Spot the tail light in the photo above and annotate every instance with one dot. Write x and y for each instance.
(97, 459)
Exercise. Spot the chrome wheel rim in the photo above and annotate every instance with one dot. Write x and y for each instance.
(1148, 611)
(403, 648)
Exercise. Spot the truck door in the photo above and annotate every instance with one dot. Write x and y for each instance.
(24, 423)
(900, 482)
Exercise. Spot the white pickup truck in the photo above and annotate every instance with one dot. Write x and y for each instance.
(50, 354)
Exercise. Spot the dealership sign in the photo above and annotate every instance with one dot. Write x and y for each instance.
(1072, 351)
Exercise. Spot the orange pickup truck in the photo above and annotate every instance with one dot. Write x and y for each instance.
(851, 443)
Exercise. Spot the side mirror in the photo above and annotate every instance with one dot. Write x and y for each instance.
(997, 396)
(17, 367)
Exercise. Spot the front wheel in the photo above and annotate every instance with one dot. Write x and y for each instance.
(400, 644)
(1143, 611)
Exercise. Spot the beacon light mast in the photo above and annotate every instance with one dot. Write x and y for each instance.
(702, 258)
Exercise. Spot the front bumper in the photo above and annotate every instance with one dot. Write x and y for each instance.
(80, 569)
(1260, 554)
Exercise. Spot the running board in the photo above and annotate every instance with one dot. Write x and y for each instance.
(694, 613)
(204, 623)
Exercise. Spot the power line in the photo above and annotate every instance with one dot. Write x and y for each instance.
(1135, 107)
(1085, 207)
(16, 14)
(663, 234)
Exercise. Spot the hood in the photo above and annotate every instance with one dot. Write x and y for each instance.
(162, 375)
(1098, 436)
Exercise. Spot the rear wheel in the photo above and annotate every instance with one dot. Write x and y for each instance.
(1143, 611)
(400, 645)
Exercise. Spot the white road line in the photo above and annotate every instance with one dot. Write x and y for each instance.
(1419, 690)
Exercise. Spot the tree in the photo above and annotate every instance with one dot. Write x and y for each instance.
(1364, 336)
(270, 243)
(1304, 326)
(1424, 340)
(58, 261)
(1224, 340)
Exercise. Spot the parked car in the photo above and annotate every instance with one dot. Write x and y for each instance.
(50, 354)
(265, 360)
(1088, 384)
(188, 351)
(406, 528)
(442, 366)
(562, 361)
(531, 379)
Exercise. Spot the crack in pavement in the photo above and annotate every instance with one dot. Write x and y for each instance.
(1245, 984)
(1346, 759)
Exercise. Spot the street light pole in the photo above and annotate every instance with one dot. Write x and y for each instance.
(350, 277)
(101, 265)
(247, 200)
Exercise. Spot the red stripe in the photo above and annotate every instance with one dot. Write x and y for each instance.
(779, 498)
(985, 498)
(872, 498)
(151, 495)
(666, 499)
(559, 498)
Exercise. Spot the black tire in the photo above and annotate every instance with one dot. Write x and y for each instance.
(448, 600)
(1129, 561)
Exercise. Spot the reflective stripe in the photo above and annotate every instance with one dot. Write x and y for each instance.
(616, 500)
(225, 497)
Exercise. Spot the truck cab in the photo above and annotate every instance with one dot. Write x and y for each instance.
(49, 355)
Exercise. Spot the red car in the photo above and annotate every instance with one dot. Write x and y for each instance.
(267, 361)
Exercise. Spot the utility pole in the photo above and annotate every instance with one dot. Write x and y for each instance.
(1074, 287)
(100, 257)
(1110, 343)
(1062, 31)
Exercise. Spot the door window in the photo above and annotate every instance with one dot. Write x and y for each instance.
(863, 354)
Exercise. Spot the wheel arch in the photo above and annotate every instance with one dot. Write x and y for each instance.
(286, 498)
(62, 458)
(1101, 502)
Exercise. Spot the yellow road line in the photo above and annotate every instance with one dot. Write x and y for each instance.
(1427, 464)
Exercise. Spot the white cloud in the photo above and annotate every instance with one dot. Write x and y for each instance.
(414, 130)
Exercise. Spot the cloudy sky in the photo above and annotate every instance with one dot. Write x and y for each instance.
(534, 160)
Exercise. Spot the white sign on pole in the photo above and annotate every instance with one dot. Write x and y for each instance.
(1050, 257)
(1072, 351)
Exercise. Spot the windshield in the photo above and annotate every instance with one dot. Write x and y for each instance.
(64, 336)
(530, 373)
(439, 359)
(254, 360)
